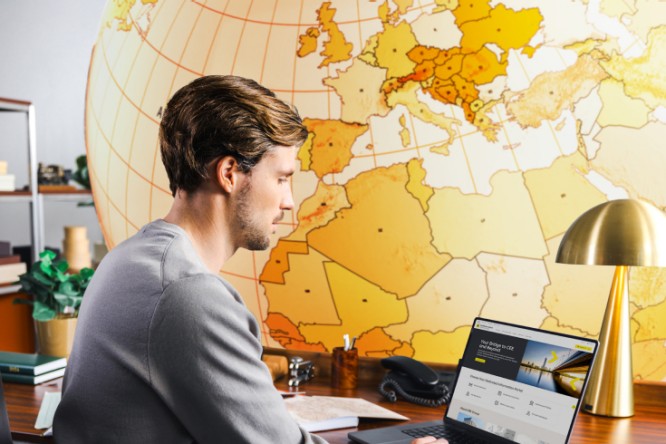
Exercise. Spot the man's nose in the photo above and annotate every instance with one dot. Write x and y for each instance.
(288, 200)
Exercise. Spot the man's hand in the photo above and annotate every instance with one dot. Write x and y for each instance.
(429, 440)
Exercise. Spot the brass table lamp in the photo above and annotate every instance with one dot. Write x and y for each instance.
(623, 233)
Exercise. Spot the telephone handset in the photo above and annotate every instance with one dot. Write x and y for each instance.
(415, 382)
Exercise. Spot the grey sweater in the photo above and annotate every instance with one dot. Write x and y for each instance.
(167, 352)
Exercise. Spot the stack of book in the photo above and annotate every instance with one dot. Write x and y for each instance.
(10, 264)
(30, 368)
(7, 181)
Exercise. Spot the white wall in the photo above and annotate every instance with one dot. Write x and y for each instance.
(44, 57)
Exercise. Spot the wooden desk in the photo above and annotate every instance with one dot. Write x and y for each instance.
(647, 426)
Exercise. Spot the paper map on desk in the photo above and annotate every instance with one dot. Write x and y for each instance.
(316, 413)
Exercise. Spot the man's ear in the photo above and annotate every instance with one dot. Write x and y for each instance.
(227, 173)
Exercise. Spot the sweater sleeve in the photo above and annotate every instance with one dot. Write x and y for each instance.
(205, 363)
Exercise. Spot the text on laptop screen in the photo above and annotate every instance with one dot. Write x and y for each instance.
(521, 384)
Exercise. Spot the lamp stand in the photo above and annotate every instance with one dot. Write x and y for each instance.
(610, 390)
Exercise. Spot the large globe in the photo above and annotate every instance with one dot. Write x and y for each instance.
(451, 145)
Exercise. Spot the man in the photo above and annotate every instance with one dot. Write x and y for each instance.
(165, 349)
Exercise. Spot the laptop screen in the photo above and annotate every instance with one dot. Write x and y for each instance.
(520, 383)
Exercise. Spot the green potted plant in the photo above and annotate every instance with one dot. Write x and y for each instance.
(57, 296)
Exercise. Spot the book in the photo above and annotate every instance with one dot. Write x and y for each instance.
(317, 413)
(10, 259)
(10, 272)
(31, 364)
(33, 379)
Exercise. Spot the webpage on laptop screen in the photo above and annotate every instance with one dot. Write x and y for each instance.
(521, 384)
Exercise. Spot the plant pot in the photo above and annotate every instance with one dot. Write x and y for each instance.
(55, 337)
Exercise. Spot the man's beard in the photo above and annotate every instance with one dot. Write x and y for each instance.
(252, 237)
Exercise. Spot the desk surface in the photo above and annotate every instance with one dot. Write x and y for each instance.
(647, 426)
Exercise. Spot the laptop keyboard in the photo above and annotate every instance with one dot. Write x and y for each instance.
(440, 431)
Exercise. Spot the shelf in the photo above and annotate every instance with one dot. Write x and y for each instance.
(31, 196)
(9, 289)
(49, 195)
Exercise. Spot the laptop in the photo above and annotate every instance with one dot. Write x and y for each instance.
(513, 384)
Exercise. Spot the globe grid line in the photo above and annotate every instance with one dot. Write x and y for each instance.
(213, 40)
(163, 56)
(140, 110)
(533, 145)
(266, 45)
(144, 37)
(370, 18)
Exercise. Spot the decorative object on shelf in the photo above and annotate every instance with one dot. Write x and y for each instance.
(57, 296)
(99, 251)
(76, 248)
(80, 176)
(52, 175)
(623, 233)
(7, 181)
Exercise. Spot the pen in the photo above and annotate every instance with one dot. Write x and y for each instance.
(353, 341)
(345, 337)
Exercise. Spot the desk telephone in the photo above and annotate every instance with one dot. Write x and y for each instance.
(415, 382)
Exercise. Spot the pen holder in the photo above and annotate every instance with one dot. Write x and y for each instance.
(344, 368)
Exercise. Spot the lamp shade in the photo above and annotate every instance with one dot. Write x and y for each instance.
(618, 232)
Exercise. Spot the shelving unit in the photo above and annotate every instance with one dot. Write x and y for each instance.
(20, 106)
(33, 196)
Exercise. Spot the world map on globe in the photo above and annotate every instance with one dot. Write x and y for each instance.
(451, 144)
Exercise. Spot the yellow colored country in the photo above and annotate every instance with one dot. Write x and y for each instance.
(361, 306)
(551, 323)
(331, 146)
(643, 76)
(482, 67)
(393, 44)
(440, 346)
(469, 10)
(119, 10)
(384, 237)
(305, 153)
(561, 193)
(552, 92)
(287, 335)
(563, 298)
(308, 42)
(651, 323)
(504, 222)
(416, 182)
(618, 108)
(460, 288)
(504, 27)
(278, 263)
(405, 138)
(624, 155)
(515, 287)
(305, 295)
(407, 96)
(318, 209)
(648, 360)
(647, 286)
(377, 344)
(359, 89)
(336, 48)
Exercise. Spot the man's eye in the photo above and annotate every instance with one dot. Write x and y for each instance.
(283, 180)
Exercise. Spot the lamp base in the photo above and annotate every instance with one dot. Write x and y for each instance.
(610, 390)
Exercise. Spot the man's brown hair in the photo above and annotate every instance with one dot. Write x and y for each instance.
(217, 116)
